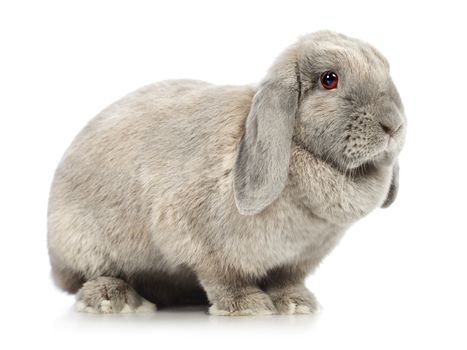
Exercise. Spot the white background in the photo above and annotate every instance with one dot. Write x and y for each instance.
(398, 278)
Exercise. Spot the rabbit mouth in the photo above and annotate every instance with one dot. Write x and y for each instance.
(341, 163)
(363, 158)
(369, 156)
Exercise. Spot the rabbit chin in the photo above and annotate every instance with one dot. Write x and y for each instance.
(385, 157)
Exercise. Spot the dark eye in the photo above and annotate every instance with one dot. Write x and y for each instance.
(329, 80)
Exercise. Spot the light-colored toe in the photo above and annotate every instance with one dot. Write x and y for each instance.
(105, 307)
(303, 310)
(213, 310)
(145, 307)
(82, 307)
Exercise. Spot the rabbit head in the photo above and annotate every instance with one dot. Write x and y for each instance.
(333, 96)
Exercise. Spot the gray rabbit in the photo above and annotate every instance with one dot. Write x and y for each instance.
(185, 192)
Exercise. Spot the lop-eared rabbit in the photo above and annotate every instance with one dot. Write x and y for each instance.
(184, 192)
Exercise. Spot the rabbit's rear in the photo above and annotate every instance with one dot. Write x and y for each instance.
(101, 216)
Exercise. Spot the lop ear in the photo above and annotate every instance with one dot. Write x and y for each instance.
(394, 188)
(261, 168)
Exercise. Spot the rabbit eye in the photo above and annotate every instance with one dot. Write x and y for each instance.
(329, 80)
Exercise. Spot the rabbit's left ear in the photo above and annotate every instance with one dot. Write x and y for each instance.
(394, 188)
(261, 168)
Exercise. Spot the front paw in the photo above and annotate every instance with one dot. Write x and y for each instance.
(243, 304)
(293, 300)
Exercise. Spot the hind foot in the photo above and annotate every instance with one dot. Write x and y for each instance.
(110, 295)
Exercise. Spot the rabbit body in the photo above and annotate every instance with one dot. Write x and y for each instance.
(143, 206)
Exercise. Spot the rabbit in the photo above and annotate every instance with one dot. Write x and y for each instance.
(184, 192)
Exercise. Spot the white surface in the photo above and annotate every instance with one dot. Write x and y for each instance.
(398, 278)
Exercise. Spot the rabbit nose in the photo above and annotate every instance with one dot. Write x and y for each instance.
(389, 117)
(387, 129)
(390, 130)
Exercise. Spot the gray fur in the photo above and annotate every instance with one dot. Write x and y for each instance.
(155, 189)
